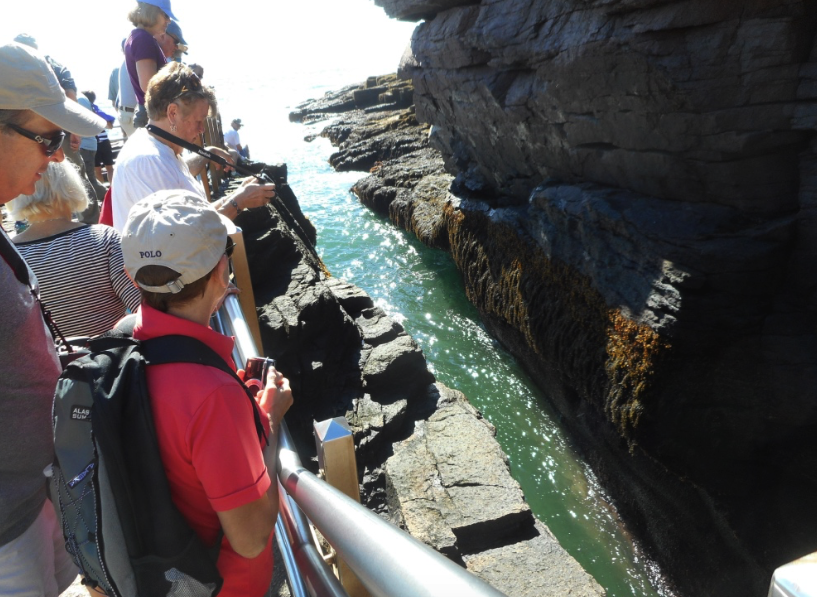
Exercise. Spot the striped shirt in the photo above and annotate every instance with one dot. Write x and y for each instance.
(82, 278)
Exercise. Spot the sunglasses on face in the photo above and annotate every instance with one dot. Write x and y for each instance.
(51, 144)
(228, 251)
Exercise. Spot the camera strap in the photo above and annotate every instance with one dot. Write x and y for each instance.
(197, 149)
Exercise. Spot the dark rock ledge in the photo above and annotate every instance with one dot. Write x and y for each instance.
(427, 459)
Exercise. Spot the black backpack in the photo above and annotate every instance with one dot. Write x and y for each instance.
(119, 522)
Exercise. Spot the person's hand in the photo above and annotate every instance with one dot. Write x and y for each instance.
(220, 152)
(75, 141)
(276, 398)
(253, 193)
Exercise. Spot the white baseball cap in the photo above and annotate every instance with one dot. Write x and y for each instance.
(28, 83)
(178, 230)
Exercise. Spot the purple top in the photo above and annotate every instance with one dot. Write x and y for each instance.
(140, 45)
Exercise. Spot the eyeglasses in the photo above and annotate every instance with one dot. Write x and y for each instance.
(230, 247)
(51, 144)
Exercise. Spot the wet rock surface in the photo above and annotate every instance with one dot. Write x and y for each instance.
(629, 191)
(345, 357)
(519, 569)
(450, 482)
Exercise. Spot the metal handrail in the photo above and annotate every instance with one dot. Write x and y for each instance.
(388, 561)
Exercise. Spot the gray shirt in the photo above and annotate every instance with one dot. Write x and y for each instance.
(127, 97)
(29, 369)
(113, 86)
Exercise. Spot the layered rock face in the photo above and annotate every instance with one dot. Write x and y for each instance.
(692, 101)
(642, 202)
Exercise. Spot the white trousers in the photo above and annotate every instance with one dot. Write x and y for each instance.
(35, 564)
(126, 122)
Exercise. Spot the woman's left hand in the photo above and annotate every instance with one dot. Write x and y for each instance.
(276, 398)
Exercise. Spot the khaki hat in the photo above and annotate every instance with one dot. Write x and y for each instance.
(28, 83)
(26, 39)
(176, 229)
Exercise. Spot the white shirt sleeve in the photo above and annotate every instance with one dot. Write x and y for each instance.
(143, 176)
(232, 139)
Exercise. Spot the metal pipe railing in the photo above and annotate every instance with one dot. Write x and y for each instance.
(296, 583)
(388, 561)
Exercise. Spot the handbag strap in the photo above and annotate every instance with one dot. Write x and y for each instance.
(18, 265)
(15, 260)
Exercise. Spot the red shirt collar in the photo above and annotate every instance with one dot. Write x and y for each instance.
(151, 323)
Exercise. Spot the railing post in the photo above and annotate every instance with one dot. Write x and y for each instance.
(795, 579)
(246, 298)
(213, 136)
(338, 466)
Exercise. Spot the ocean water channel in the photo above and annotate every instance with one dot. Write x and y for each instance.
(422, 289)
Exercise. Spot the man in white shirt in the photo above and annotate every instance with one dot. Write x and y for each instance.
(144, 165)
(233, 141)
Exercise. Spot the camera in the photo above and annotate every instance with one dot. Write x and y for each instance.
(257, 368)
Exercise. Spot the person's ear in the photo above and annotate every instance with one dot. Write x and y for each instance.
(172, 112)
(220, 273)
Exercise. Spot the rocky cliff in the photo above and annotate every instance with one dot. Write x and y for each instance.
(629, 188)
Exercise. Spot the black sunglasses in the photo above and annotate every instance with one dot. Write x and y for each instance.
(230, 247)
(51, 144)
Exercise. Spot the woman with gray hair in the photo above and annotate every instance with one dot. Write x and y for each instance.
(79, 267)
(178, 104)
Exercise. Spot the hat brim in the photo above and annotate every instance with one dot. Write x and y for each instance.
(228, 224)
(72, 117)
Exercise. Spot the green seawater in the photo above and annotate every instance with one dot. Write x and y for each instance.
(422, 289)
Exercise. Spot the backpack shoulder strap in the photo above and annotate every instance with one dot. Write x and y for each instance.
(184, 349)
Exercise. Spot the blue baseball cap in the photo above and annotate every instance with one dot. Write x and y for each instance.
(164, 5)
(175, 32)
